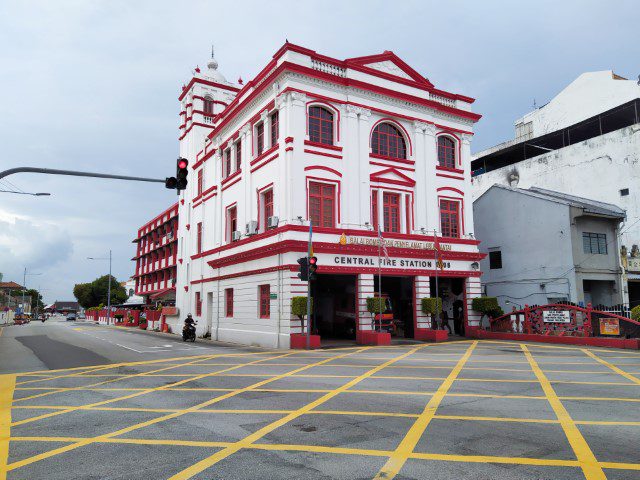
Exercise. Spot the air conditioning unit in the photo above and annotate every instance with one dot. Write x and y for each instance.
(272, 222)
(235, 236)
(251, 228)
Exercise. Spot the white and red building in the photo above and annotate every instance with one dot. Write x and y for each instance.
(349, 145)
(156, 254)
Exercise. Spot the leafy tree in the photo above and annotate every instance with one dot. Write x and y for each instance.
(431, 305)
(36, 299)
(94, 293)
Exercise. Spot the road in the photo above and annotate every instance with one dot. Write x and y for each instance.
(131, 405)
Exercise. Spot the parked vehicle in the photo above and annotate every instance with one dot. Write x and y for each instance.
(71, 317)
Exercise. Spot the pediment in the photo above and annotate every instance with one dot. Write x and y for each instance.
(389, 64)
(392, 176)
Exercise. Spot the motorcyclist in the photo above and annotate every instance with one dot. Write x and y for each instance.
(189, 323)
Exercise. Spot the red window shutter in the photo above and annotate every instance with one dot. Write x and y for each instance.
(450, 218)
(198, 304)
(232, 215)
(322, 204)
(320, 125)
(238, 155)
(407, 210)
(446, 152)
(391, 212)
(275, 127)
(387, 141)
(268, 206)
(374, 209)
(260, 138)
(264, 301)
(200, 182)
(227, 164)
(228, 298)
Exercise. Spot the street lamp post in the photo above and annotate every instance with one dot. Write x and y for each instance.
(108, 285)
(24, 286)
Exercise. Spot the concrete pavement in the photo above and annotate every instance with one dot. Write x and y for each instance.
(469, 409)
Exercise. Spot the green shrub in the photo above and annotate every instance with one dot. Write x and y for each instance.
(635, 313)
(487, 306)
(299, 306)
(431, 305)
(375, 305)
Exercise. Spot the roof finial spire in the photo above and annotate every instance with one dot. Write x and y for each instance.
(213, 65)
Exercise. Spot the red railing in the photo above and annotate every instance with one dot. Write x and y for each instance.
(566, 320)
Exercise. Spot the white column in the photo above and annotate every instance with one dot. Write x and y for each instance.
(431, 160)
(365, 289)
(364, 130)
(295, 183)
(420, 156)
(281, 190)
(422, 290)
(473, 289)
(465, 152)
(250, 206)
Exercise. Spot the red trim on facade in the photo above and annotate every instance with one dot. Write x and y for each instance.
(288, 140)
(397, 167)
(322, 167)
(395, 123)
(449, 176)
(322, 145)
(258, 167)
(264, 154)
(288, 149)
(323, 154)
(195, 80)
(452, 189)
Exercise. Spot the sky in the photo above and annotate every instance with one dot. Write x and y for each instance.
(93, 85)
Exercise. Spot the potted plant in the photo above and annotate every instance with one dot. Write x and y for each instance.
(432, 306)
(375, 305)
(487, 306)
(299, 309)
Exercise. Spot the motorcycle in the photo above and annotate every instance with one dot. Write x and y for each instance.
(189, 333)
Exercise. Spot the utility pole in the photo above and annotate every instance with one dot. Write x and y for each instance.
(309, 288)
(109, 292)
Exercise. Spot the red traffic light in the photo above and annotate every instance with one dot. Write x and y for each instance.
(313, 261)
(182, 163)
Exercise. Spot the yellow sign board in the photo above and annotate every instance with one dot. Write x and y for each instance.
(609, 326)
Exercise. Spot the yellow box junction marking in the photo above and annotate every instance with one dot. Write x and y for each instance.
(7, 384)
(249, 441)
(147, 423)
(404, 450)
(618, 370)
(588, 462)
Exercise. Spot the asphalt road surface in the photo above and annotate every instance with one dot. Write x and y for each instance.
(79, 401)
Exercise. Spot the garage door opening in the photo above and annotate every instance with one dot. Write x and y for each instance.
(399, 290)
(335, 307)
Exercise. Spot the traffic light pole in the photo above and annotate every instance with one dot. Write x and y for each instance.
(309, 291)
(53, 171)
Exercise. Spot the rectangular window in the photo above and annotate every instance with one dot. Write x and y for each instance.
(495, 259)
(228, 302)
(226, 169)
(264, 299)
(624, 192)
(407, 211)
(391, 212)
(449, 218)
(260, 138)
(232, 222)
(200, 182)
(594, 243)
(198, 304)
(267, 201)
(275, 126)
(321, 204)
(238, 156)
(374, 209)
(199, 238)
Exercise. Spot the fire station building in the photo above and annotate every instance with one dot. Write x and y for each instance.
(350, 146)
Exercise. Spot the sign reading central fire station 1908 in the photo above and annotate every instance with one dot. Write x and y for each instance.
(412, 263)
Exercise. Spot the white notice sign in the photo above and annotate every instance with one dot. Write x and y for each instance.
(556, 316)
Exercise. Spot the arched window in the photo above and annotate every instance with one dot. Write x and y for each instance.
(320, 125)
(208, 105)
(388, 141)
(446, 152)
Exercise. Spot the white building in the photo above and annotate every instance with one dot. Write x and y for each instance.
(345, 143)
(584, 142)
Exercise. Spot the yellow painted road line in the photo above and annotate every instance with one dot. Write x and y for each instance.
(402, 452)
(250, 440)
(588, 462)
(338, 451)
(132, 395)
(147, 423)
(618, 370)
(7, 384)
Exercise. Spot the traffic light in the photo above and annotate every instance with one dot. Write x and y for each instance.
(170, 182)
(181, 173)
(313, 266)
(304, 269)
